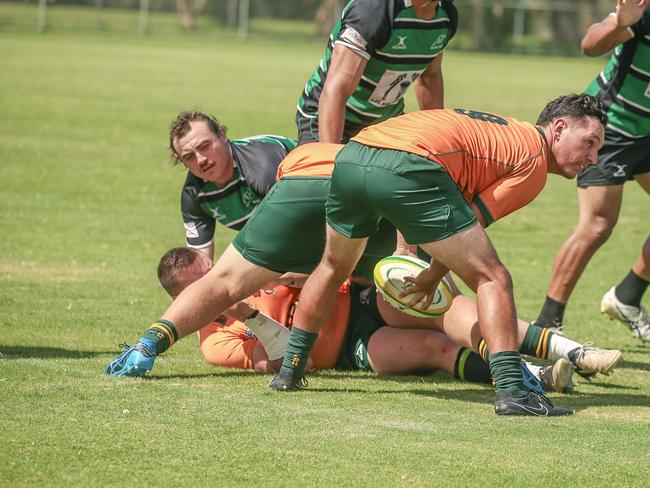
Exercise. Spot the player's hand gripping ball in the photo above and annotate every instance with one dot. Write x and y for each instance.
(389, 276)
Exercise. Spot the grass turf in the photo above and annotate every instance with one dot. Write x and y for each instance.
(87, 206)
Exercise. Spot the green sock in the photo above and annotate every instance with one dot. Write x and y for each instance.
(298, 348)
(536, 342)
(470, 367)
(506, 372)
(483, 349)
(163, 334)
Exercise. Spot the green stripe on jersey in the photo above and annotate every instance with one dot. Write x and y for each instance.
(624, 87)
(230, 205)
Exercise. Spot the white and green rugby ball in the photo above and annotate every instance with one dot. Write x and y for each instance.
(389, 276)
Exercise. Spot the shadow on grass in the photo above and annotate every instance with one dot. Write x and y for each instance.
(634, 365)
(45, 352)
(638, 348)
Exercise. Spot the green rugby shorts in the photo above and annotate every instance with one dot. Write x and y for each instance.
(414, 193)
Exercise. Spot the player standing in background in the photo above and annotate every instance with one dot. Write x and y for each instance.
(376, 51)
(624, 88)
(226, 179)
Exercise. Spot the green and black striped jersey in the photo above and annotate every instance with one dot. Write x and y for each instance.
(624, 84)
(398, 45)
(203, 203)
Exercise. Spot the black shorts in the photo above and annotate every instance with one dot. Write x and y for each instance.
(619, 160)
(308, 129)
(363, 322)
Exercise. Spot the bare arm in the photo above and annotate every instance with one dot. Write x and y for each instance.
(343, 77)
(429, 87)
(613, 30)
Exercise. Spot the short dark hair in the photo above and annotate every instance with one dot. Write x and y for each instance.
(573, 105)
(172, 262)
(181, 126)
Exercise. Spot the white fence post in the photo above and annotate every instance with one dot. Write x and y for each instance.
(41, 16)
(244, 11)
(143, 18)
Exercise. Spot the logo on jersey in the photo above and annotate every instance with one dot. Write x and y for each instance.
(216, 213)
(351, 36)
(391, 87)
(401, 42)
(250, 334)
(439, 42)
(250, 199)
(191, 232)
(620, 170)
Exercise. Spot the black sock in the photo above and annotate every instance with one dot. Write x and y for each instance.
(470, 367)
(551, 315)
(631, 289)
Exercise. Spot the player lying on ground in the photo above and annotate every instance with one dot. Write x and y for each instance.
(354, 337)
(286, 233)
(440, 176)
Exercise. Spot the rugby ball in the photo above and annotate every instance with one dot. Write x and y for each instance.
(389, 276)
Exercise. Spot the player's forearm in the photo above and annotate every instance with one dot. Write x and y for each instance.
(429, 91)
(604, 36)
(331, 116)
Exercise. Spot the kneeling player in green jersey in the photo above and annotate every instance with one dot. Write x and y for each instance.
(624, 88)
(435, 174)
(226, 179)
(375, 52)
(286, 234)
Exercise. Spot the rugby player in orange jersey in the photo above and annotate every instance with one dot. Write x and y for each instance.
(440, 176)
(285, 233)
(355, 336)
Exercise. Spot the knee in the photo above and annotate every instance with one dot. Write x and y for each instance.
(598, 230)
(498, 274)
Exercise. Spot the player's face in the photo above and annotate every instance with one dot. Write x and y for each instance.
(576, 144)
(201, 265)
(205, 153)
(425, 9)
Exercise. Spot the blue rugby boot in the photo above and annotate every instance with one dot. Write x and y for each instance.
(531, 381)
(136, 360)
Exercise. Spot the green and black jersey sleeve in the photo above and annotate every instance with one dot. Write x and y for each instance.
(624, 84)
(203, 203)
(398, 46)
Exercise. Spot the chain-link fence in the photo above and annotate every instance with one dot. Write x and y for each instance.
(524, 26)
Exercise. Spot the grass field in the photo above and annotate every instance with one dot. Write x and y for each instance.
(88, 204)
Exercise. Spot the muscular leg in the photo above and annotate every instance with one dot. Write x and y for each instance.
(599, 209)
(316, 301)
(317, 296)
(230, 280)
(642, 265)
(471, 256)
(398, 351)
